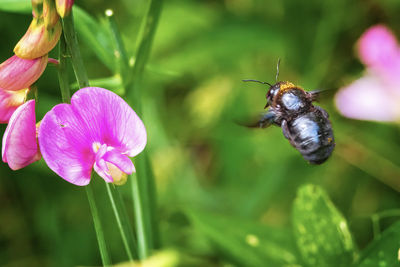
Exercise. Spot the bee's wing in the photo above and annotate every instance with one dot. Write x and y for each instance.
(317, 95)
(265, 120)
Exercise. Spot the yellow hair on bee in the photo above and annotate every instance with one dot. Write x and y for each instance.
(286, 85)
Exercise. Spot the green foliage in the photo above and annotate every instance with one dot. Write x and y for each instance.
(18, 6)
(244, 181)
(384, 251)
(247, 243)
(322, 234)
(95, 36)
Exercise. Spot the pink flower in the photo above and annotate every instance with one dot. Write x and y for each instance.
(375, 96)
(64, 7)
(17, 73)
(20, 146)
(9, 102)
(97, 130)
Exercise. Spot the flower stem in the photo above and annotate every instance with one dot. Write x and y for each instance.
(143, 189)
(73, 47)
(98, 227)
(62, 71)
(83, 81)
(122, 221)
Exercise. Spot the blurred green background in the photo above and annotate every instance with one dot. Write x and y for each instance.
(216, 181)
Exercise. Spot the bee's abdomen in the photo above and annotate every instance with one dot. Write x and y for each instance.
(311, 134)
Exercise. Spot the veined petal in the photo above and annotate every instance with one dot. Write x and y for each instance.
(368, 99)
(66, 146)
(20, 147)
(9, 102)
(113, 166)
(123, 162)
(17, 73)
(100, 166)
(112, 121)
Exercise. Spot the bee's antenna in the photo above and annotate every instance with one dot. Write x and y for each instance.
(257, 82)
(277, 69)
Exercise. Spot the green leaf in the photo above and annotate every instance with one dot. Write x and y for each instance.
(16, 6)
(95, 36)
(321, 232)
(247, 243)
(383, 252)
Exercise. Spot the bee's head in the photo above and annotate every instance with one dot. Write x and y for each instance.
(272, 92)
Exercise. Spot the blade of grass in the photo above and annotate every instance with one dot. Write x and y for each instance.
(123, 224)
(120, 53)
(98, 227)
(144, 196)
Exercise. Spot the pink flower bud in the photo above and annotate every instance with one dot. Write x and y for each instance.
(64, 7)
(20, 147)
(17, 73)
(9, 102)
(38, 40)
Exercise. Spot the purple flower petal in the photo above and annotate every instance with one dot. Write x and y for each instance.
(98, 130)
(368, 99)
(20, 146)
(112, 120)
(66, 144)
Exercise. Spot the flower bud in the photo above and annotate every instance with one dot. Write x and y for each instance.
(9, 102)
(17, 73)
(64, 7)
(38, 40)
(50, 14)
(37, 8)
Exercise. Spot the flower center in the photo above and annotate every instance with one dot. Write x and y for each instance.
(105, 164)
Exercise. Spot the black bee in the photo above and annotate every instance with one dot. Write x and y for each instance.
(306, 126)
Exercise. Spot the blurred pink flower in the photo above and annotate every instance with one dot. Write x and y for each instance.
(20, 147)
(9, 102)
(376, 95)
(17, 73)
(97, 130)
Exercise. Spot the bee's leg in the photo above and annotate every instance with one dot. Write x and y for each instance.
(285, 129)
(266, 120)
(324, 113)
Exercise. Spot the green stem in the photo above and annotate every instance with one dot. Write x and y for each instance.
(73, 47)
(123, 223)
(144, 196)
(83, 81)
(62, 71)
(98, 227)
(360, 156)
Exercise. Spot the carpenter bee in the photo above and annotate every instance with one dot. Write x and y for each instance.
(306, 126)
